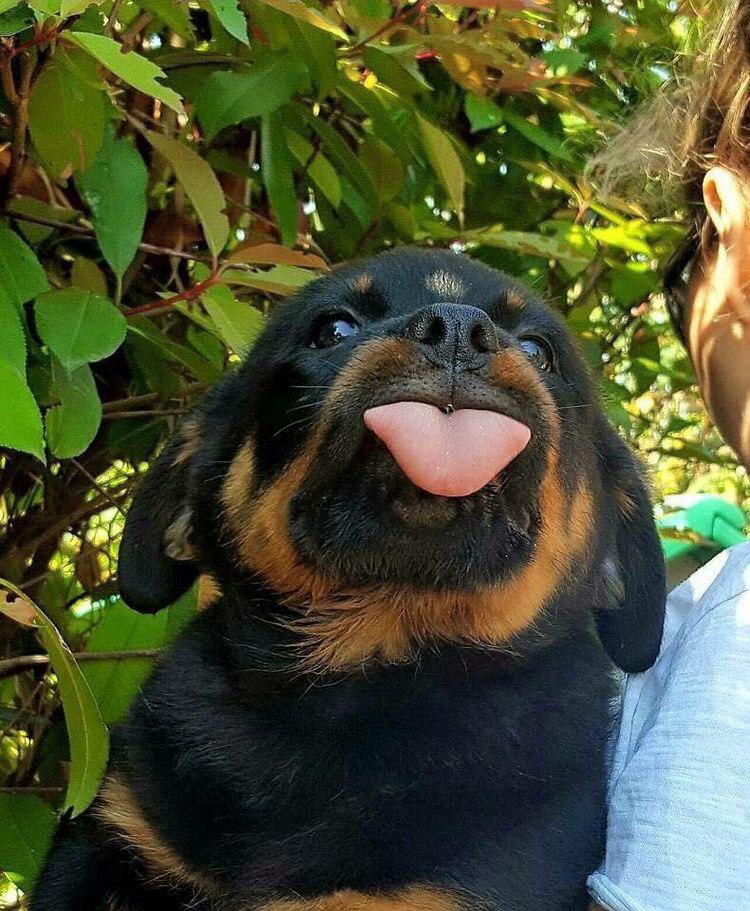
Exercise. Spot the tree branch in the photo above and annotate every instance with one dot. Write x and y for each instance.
(19, 99)
(9, 667)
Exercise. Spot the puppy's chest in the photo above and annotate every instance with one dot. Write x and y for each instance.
(372, 789)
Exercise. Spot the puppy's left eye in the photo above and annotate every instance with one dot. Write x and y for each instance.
(538, 352)
(333, 330)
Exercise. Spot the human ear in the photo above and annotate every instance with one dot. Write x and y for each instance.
(725, 203)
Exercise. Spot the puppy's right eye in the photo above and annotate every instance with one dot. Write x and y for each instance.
(333, 330)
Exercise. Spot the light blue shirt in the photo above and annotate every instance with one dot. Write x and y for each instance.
(678, 834)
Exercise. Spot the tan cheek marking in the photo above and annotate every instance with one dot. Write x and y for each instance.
(238, 487)
(413, 898)
(191, 436)
(209, 591)
(262, 532)
(118, 809)
(445, 284)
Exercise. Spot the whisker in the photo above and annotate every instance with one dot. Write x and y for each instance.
(303, 420)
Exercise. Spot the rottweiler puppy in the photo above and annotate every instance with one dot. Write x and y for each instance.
(431, 550)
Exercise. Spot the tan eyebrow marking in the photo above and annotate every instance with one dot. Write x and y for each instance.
(445, 284)
(514, 300)
(362, 283)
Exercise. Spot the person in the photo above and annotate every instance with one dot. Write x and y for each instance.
(678, 827)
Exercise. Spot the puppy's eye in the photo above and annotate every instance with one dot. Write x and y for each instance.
(538, 352)
(333, 330)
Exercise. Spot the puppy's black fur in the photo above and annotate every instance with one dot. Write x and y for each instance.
(398, 701)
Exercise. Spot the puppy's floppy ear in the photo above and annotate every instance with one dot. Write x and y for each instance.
(631, 627)
(157, 561)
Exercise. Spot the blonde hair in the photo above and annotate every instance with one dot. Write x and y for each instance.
(702, 119)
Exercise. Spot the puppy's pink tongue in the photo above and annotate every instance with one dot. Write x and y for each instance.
(451, 455)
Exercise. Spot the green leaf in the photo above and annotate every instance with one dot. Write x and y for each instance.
(88, 737)
(79, 326)
(114, 188)
(278, 280)
(21, 276)
(277, 177)
(527, 243)
(231, 17)
(37, 208)
(445, 163)
(27, 825)
(73, 424)
(12, 336)
(397, 68)
(174, 15)
(318, 51)
(319, 168)
(299, 10)
(344, 159)
(131, 67)
(483, 114)
(165, 348)
(201, 185)
(383, 166)
(238, 323)
(537, 135)
(231, 97)
(16, 20)
(20, 420)
(67, 112)
(116, 682)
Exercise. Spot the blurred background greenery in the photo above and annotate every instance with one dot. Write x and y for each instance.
(171, 168)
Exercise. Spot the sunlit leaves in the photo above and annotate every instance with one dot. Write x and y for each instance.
(445, 162)
(132, 68)
(89, 738)
(297, 9)
(114, 187)
(231, 17)
(238, 322)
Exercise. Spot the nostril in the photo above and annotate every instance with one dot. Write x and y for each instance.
(434, 331)
(483, 337)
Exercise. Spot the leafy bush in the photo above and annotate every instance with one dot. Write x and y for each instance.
(171, 168)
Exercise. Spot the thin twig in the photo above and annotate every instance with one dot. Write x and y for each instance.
(32, 789)
(89, 232)
(160, 413)
(395, 20)
(86, 473)
(9, 667)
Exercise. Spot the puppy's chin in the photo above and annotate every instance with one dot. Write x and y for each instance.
(374, 526)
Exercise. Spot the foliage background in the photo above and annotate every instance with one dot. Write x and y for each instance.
(171, 168)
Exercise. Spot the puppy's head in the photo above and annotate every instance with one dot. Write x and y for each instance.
(412, 449)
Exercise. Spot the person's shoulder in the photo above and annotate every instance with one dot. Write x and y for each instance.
(725, 577)
(712, 605)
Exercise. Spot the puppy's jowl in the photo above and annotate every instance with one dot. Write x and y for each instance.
(430, 550)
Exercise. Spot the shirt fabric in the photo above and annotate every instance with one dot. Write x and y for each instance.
(678, 830)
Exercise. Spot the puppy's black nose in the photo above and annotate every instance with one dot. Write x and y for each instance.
(453, 335)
